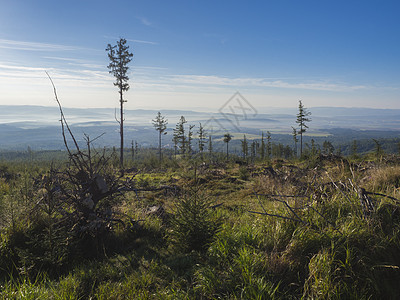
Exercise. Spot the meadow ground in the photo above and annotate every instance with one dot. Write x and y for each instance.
(322, 228)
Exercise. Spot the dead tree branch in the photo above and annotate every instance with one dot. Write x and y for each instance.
(335, 185)
(290, 209)
(88, 188)
(297, 218)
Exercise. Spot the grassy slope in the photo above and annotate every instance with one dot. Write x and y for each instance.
(328, 249)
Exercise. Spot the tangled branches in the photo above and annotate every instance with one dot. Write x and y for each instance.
(86, 192)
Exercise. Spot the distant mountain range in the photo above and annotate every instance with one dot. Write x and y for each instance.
(39, 127)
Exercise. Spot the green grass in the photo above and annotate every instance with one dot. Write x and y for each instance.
(328, 249)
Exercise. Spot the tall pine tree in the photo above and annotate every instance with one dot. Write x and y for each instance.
(302, 120)
(120, 57)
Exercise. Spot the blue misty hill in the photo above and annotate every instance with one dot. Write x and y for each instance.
(39, 126)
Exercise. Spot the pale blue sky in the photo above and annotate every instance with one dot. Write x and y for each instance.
(196, 54)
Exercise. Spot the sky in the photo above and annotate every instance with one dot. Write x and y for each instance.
(197, 54)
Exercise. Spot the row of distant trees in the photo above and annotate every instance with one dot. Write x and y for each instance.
(120, 56)
(183, 139)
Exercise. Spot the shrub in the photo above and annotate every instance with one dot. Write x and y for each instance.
(244, 173)
(194, 223)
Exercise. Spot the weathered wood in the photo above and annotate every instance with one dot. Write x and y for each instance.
(366, 202)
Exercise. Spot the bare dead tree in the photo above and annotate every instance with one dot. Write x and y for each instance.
(88, 189)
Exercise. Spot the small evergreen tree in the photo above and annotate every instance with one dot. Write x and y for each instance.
(253, 150)
(189, 140)
(194, 223)
(210, 146)
(269, 145)
(295, 140)
(245, 147)
(287, 151)
(378, 149)
(257, 147)
(354, 149)
(277, 150)
(175, 141)
(160, 124)
(339, 151)
(262, 150)
(327, 148)
(179, 134)
(398, 146)
(202, 138)
(313, 148)
(302, 120)
(227, 139)
(132, 151)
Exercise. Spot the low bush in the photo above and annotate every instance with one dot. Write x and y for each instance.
(194, 223)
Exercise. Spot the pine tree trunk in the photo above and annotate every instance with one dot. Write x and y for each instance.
(301, 140)
(159, 146)
(121, 130)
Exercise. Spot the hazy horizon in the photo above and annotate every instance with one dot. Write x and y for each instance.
(39, 127)
(263, 110)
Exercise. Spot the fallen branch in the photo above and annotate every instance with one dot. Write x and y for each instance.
(383, 195)
(216, 205)
(282, 196)
(291, 210)
(344, 195)
(366, 202)
(287, 206)
(272, 215)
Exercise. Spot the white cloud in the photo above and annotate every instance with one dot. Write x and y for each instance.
(142, 42)
(19, 68)
(144, 21)
(211, 80)
(34, 46)
(82, 83)
(17, 75)
(147, 78)
(76, 62)
(133, 40)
